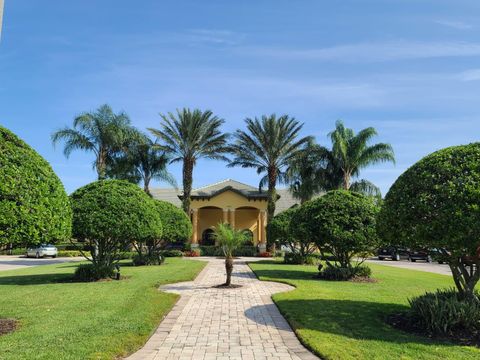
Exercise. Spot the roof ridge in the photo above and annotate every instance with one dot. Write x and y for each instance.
(206, 186)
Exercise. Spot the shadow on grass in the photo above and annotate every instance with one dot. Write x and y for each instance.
(36, 279)
(300, 272)
(349, 318)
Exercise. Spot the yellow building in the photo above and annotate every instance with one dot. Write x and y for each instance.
(229, 201)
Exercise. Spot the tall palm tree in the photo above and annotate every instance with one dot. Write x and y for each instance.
(268, 145)
(141, 161)
(102, 132)
(188, 136)
(353, 153)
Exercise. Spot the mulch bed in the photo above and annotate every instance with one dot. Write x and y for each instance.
(7, 326)
(231, 286)
(401, 321)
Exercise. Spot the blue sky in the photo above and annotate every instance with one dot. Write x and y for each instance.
(409, 68)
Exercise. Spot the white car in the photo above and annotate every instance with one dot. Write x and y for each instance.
(41, 251)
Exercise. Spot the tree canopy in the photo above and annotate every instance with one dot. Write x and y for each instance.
(177, 227)
(111, 214)
(34, 207)
(341, 223)
(436, 204)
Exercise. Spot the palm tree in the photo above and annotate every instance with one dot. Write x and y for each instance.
(141, 161)
(311, 171)
(188, 136)
(229, 240)
(268, 146)
(353, 153)
(102, 132)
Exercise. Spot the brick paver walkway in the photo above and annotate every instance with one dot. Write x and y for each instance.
(211, 323)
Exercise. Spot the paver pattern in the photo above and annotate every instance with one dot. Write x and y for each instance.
(215, 323)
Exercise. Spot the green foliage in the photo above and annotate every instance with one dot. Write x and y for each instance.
(177, 227)
(111, 214)
(148, 259)
(188, 136)
(436, 204)
(297, 259)
(338, 273)
(140, 161)
(229, 239)
(283, 231)
(352, 153)
(91, 272)
(102, 132)
(34, 207)
(445, 312)
(171, 253)
(341, 223)
(268, 145)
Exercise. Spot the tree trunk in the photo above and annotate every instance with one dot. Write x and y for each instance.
(187, 184)
(102, 165)
(346, 180)
(272, 193)
(229, 269)
(146, 186)
(465, 275)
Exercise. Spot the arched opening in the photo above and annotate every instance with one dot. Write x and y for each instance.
(208, 237)
(249, 237)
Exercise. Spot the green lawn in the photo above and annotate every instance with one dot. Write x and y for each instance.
(344, 320)
(64, 320)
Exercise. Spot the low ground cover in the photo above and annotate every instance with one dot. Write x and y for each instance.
(60, 319)
(346, 320)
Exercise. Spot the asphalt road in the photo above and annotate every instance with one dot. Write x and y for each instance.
(18, 262)
(419, 265)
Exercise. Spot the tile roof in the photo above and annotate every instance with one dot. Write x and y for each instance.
(285, 201)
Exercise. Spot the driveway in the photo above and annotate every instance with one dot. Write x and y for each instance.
(18, 262)
(419, 265)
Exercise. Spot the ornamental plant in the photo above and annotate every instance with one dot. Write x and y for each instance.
(341, 223)
(34, 207)
(229, 240)
(436, 204)
(282, 231)
(177, 227)
(110, 215)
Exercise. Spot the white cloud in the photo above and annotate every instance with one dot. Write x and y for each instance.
(458, 25)
(372, 52)
(470, 75)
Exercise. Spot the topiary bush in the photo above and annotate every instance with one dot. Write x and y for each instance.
(94, 272)
(342, 224)
(148, 259)
(177, 227)
(436, 204)
(283, 232)
(110, 215)
(34, 207)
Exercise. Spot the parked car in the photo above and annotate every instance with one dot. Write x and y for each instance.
(41, 251)
(393, 252)
(420, 254)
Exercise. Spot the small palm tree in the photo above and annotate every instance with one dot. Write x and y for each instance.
(188, 136)
(268, 146)
(229, 240)
(102, 132)
(141, 161)
(352, 153)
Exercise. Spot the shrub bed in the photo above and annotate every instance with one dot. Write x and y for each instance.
(339, 273)
(171, 253)
(69, 253)
(148, 259)
(444, 314)
(298, 259)
(90, 272)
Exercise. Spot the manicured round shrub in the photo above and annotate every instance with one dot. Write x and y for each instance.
(177, 227)
(283, 232)
(112, 214)
(436, 204)
(92, 272)
(341, 223)
(34, 207)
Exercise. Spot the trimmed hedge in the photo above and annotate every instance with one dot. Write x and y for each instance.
(177, 227)
(34, 207)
